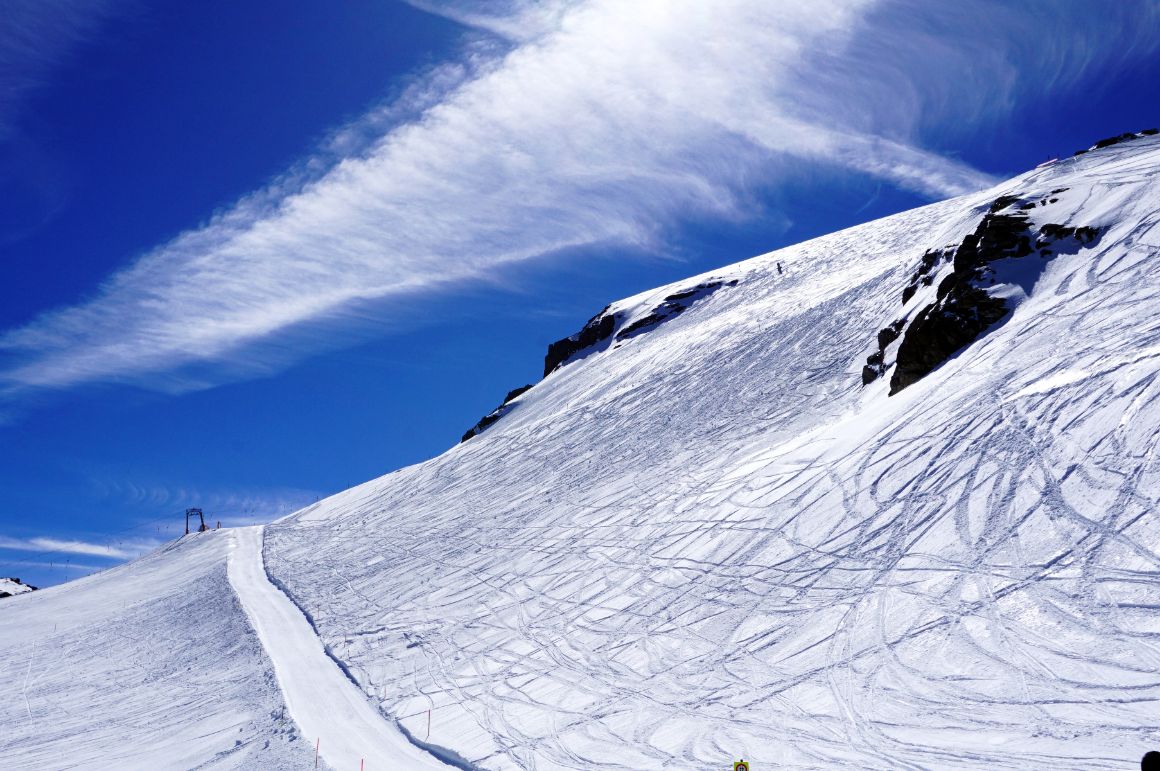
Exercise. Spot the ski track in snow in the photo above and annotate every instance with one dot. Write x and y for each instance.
(703, 543)
(709, 542)
(150, 665)
(325, 705)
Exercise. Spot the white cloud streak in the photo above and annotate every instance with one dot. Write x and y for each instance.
(123, 549)
(605, 122)
(515, 20)
(232, 507)
(20, 564)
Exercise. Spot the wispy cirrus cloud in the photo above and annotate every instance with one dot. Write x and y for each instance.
(122, 550)
(601, 121)
(36, 36)
(232, 507)
(24, 564)
(229, 508)
(515, 20)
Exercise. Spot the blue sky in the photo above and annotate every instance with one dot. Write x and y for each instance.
(255, 253)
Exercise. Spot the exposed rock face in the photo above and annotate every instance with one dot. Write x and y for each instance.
(601, 326)
(598, 329)
(495, 414)
(876, 362)
(924, 276)
(10, 587)
(963, 309)
(1118, 139)
(965, 304)
(941, 329)
(673, 305)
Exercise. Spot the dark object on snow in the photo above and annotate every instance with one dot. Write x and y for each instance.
(1109, 141)
(495, 414)
(201, 517)
(1151, 761)
(1100, 145)
(941, 329)
(673, 305)
(876, 362)
(963, 310)
(18, 582)
(963, 307)
(925, 273)
(598, 329)
(601, 326)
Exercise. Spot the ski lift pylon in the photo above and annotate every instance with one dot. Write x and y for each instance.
(201, 519)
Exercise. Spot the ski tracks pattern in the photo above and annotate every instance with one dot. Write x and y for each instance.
(709, 543)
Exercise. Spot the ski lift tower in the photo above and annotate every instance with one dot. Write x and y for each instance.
(201, 519)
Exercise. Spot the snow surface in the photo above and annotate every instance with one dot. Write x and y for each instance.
(150, 665)
(325, 705)
(13, 587)
(709, 541)
(702, 542)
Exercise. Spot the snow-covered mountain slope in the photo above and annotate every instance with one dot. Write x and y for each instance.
(10, 587)
(723, 525)
(149, 665)
(320, 697)
(708, 540)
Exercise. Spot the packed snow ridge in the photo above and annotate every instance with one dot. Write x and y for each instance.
(884, 499)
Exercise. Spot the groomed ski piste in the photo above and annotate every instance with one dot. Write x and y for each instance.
(700, 541)
(201, 663)
(322, 702)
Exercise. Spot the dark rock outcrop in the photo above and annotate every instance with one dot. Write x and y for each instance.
(924, 276)
(495, 414)
(963, 308)
(941, 329)
(10, 587)
(599, 328)
(673, 305)
(1109, 141)
(876, 362)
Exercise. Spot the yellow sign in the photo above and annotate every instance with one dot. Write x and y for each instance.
(741, 765)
